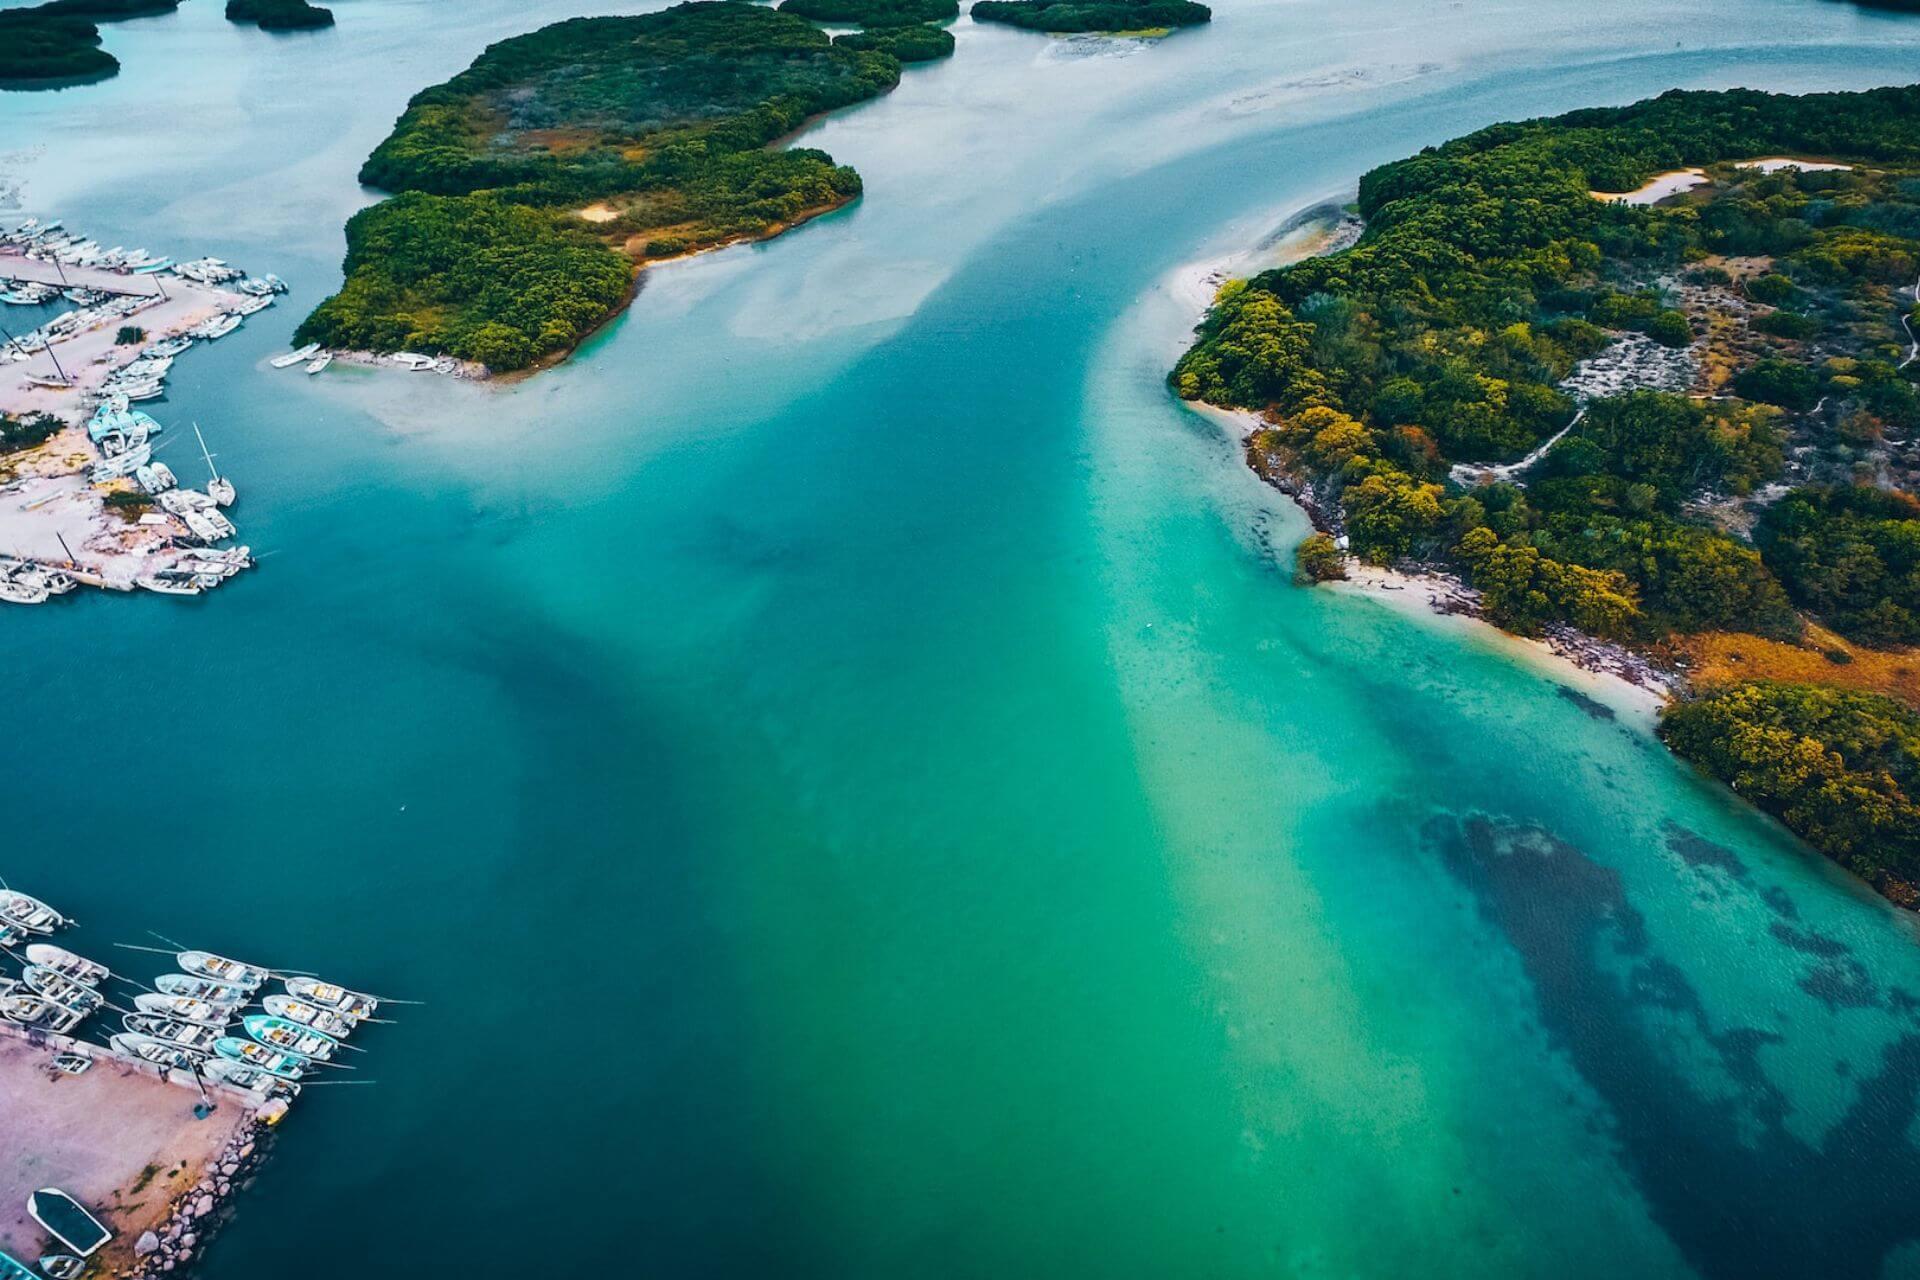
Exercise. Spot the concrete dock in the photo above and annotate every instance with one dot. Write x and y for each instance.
(123, 1142)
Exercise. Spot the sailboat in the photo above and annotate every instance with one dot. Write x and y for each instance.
(219, 488)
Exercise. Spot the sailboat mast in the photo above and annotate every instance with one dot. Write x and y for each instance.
(203, 451)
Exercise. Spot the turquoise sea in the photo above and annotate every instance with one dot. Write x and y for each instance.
(844, 765)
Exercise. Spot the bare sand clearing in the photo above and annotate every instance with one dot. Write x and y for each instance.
(118, 1139)
(1656, 189)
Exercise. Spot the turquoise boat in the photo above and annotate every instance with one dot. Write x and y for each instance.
(285, 1066)
(290, 1037)
(13, 1269)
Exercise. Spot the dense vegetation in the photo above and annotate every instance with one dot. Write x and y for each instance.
(873, 13)
(1067, 16)
(1493, 303)
(1841, 768)
(280, 15)
(1852, 556)
(660, 125)
(917, 43)
(59, 42)
(25, 433)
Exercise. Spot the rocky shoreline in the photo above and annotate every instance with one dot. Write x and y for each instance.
(202, 1209)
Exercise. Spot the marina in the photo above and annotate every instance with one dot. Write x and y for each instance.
(90, 502)
(143, 1126)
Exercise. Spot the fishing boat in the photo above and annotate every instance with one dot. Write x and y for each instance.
(149, 268)
(218, 327)
(319, 362)
(185, 1008)
(198, 988)
(295, 356)
(62, 990)
(158, 1052)
(167, 585)
(220, 969)
(252, 1079)
(12, 1268)
(190, 1036)
(328, 996)
(23, 593)
(274, 282)
(284, 1066)
(289, 1037)
(325, 1021)
(37, 1012)
(62, 1266)
(65, 963)
(66, 1221)
(28, 913)
(166, 347)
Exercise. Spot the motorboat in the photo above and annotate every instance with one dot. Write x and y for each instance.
(329, 996)
(64, 962)
(67, 1221)
(213, 992)
(184, 1009)
(220, 969)
(62, 990)
(295, 356)
(325, 1021)
(148, 1049)
(28, 913)
(252, 1079)
(289, 1037)
(284, 1066)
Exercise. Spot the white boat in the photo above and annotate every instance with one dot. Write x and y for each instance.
(67, 1221)
(275, 283)
(329, 996)
(220, 489)
(295, 356)
(23, 593)
(320, 362)
(28, 913)
(147, 1049)
(168, 586)
(413, 360)
(325, 1021)
(252, 305)
(90, 972)
(37, 1013)
(184, 1009)
(218, 327)
(191, 1036)
(220, 969)
(166, 347)
(62, 990)
(252, 1079)
(185, 984)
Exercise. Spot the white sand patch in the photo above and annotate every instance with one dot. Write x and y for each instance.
(1773, 164)
(1657, 188)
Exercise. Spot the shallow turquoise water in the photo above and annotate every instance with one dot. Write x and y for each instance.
(843, 762)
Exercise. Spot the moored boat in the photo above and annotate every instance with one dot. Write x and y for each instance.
(37, 1013)
(147, 1049)
(329, 996)
(184, 1008)
(289, 1037)
(199, 988)
(62, 961)
(320, 362)
(62, 990)
(190, 1036)
(325, 1021)
(295, 356)
(284, 1066)
(62, 1266)
(220, 969)
(28, 913)
(253, 1079)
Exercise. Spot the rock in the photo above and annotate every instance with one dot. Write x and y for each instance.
(246, 1150)
(146, 1244)
(188, 1240)
(203, 1206)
